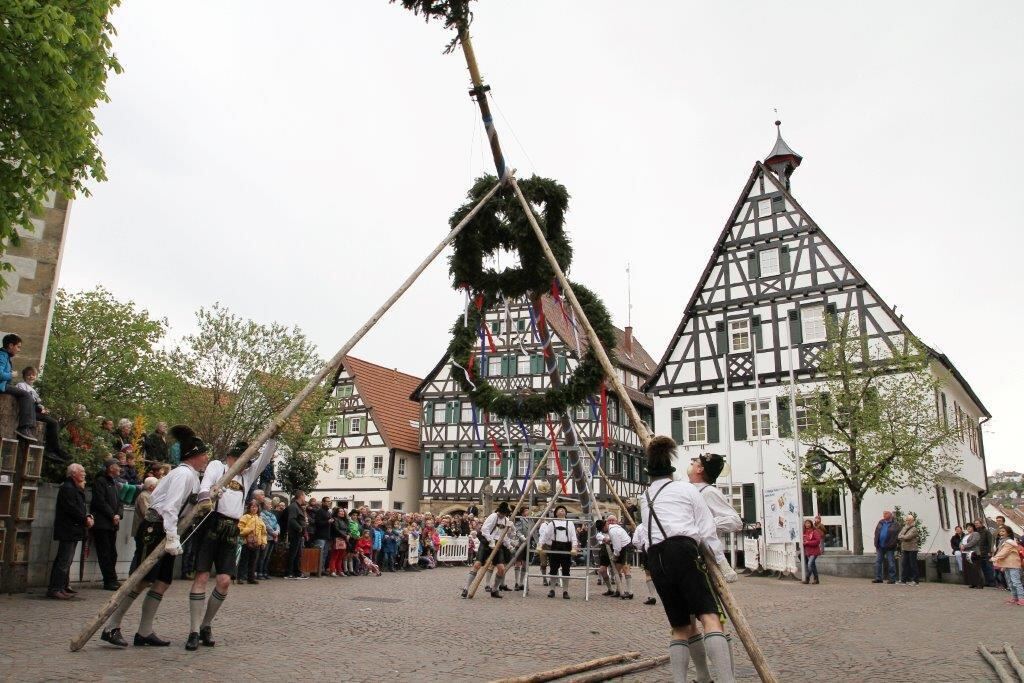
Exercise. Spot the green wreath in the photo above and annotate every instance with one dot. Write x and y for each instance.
(504, 225)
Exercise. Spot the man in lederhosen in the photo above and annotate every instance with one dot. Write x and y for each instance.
(166, 507)
(558, 538)
(218, 544)
(678, 520)
(489, 534)
(621, 543)
(604, 560)
(640, 543)
(522, 530)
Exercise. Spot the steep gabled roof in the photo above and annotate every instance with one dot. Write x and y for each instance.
(759, 169)
(638, 361)
(385, 393)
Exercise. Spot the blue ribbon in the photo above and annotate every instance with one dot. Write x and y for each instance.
(526, 434)
(597, 459)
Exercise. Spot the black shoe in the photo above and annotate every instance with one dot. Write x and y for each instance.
(114, 637)
(890, 581)
(206, 635)
(465, 592)
(69, 590)
(876, 581)
(152, 639)
(650, 601)
(26, 434)
(495, 594)
(192, 644)
(565, 595)
(551, 593)
(608, 592)
(111, 586)
(616, 594)
(252, 582)
(503, 587)
(546, 582)
(627, 596)
(487, 588)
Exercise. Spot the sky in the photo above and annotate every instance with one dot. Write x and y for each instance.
(296, 164)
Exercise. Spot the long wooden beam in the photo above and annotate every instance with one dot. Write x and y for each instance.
(569, 669)
(275, 426)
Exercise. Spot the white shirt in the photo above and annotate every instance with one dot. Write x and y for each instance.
(640, 537)
(171, 494)
(561, 530)
(620, 538)
(727, 520)
(681, 510)
(493, 526)
(25, 386)
(232, 503)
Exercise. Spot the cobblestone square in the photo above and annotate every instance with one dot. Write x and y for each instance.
(414, 627)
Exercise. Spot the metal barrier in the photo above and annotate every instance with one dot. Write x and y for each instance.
(453, 549)
(779, 557)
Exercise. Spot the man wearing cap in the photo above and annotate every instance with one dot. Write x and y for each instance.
(558, 537)
(218, 544)
(703, 472)
(490, 532)
(167, 505)
(677, 520)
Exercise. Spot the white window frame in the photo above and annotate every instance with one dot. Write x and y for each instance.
(437, 464)
(525, 460)
(493, 464)
(812, 323)
(759, 420)
(804, 415)
(332, 427)
(739, 328)
(695, 425)
(522, 365)
(343, 464)
(378, 465)
(466, 465)
(355, 425)
(344, 391)
(582, 412)
(440, 413)
(466, 410)
(775, 264)
(494, 365)
(401, 467)
(360, 465)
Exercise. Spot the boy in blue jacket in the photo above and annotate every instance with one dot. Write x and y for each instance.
(377, 538)
(390, 547)
(26, 406)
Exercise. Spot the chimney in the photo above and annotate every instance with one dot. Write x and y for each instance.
(627, 340)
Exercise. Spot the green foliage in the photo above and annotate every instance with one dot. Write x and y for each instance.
(872, 419)
(454, 13)
(922, 530)
(297, 471)
(105, 357)
(54, 60)
(240, 374)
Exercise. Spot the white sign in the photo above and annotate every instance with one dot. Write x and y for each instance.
(782, 523)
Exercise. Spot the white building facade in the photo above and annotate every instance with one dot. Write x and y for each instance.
(758, 314)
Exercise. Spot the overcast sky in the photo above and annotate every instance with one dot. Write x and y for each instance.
(295, 161)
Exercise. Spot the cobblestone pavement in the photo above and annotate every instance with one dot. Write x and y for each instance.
(414, 627)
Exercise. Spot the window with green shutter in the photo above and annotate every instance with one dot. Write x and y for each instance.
(721, 338)
(749, 504)
(712, 416)
(428, 412)
(428, 460)
(739, 420)
(537, 365)
(521, 325)
(785, 262)
(795, 333)
(758, 338)
(784, 421)
(504, 466)
(677, 424)
(562, 363)
(753, 266)
(480, 464)
(538, 455)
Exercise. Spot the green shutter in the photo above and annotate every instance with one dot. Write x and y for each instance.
(753, 266)
(504, 465)
(537, 365)
(677, 425)
(504, 366)
(428, 413)
(795, 333)
(755, 322)
(825, 411)
(521, 325)
(712, 414)
(456, 413)
(452, 468)
(721, 339)
(785, 424)
(749, 504)
(427, 459)
(784, 261)
(343, 427)
(562, 364)
(739, 420)
(480, 464)
(537, 456)
(831, 314)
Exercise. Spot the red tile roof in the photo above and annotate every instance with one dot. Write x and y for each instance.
(385, 393)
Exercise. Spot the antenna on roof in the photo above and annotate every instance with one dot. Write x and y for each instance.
(629, 298)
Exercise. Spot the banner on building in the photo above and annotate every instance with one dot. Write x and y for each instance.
(782, 523)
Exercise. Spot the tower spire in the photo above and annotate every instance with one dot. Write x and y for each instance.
(782, 159)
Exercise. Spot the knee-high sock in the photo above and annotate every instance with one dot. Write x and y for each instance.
(149, 607)
(629, 582)
(118, 614)
(679, 660)
(520, 576)
(489, 578)
(699, 658)
(469, 579)
(652, 592)
(196, 603)
(717, 648)
(216, 600)
(732, 661)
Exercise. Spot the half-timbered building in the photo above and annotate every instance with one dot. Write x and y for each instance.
(371, 435)
(759, 309)
(465, 451)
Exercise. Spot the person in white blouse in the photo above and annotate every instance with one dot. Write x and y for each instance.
(703, 472)
(640, 543)
(490, 533)
(558, 538)
(167, 505)
(217, 541)
(621, 543)
(678, 520)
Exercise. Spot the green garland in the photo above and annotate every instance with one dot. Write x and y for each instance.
(504, 225)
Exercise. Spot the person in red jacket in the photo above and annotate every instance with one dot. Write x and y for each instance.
(812, 548)
(364, 550)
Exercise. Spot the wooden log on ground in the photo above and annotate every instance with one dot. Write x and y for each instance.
(1014, 662)
(618, 671)
(1001, 672)
(275, 426)
(569, 669)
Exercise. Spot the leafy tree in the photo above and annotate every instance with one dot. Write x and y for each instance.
(241, 374)
(54, 59)
(297, 471)
(105, 356)
(872, 421)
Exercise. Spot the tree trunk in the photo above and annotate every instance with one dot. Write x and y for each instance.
(858, 531)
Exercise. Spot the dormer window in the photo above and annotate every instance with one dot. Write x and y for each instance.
(768, 259)
(778, 205)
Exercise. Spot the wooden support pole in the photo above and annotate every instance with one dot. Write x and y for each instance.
(569, 669)
(1001, 672)
(533, 529)
(494, 551)
(275, 426)
(1014, 662)
(619, 671)
(725, 595)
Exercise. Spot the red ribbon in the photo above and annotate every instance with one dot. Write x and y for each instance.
(494, 442)
(604, 415)
(479, 302)
(490, 339)
(554, 449)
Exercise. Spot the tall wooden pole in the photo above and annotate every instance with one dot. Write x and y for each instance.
(725, 595)
(479, 93)
(275, 426)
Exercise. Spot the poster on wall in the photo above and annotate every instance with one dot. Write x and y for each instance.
(782, 523)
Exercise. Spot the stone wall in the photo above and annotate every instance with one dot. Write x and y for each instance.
(27, 306)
